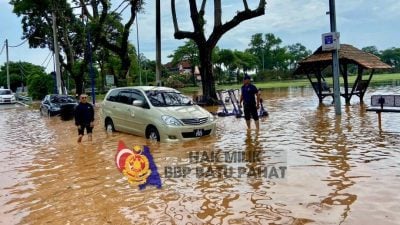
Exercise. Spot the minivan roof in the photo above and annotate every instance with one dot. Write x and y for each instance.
(148, 88)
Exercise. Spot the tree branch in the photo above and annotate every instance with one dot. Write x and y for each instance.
(203, 6)
(194, 14)
(246, 6)
(85, 9)
(175, 21)
(178, 33)
(236, 20)
(127, 27)
(104, 12)
(217, 14)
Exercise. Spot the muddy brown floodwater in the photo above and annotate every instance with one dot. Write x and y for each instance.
(338, 171)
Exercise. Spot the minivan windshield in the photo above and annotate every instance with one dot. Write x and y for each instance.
(167, 98)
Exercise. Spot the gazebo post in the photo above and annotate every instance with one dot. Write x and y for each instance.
(346, 84)
(319, 76)
(366, 86)
(359, 77)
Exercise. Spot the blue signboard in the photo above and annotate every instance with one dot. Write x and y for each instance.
(329, 39)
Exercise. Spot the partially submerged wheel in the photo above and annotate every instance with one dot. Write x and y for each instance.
(152, 134)
(109, 125)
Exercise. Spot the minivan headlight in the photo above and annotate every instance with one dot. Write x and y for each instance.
(169, 120)
(211, 118)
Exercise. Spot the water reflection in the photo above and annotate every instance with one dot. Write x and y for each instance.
(339, 170)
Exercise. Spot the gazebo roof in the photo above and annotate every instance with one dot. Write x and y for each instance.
(347, 54)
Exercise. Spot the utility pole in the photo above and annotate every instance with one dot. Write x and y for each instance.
(8, 72)
(335, 61)
(57, 55)
(138, 50)
(158, 43)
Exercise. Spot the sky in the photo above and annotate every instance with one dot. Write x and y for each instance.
(361, 23)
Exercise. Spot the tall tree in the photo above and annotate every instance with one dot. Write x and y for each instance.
(103, 23)
(206, 45)
(371, 49)
(107, 28)
(296, 53)
(19, 74)
(245, 60)
(268, 51)
(37, 21)
(391, 56)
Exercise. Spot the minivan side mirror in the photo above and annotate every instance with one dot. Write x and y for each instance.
(138, 103)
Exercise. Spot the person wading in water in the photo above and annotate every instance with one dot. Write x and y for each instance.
(251, 101)
(84, 118)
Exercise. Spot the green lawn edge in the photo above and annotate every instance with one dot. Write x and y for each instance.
(377, 78)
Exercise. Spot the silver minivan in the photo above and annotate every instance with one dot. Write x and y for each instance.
(157, 113)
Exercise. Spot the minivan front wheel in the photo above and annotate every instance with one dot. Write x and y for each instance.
(109, 125)
(152, 134)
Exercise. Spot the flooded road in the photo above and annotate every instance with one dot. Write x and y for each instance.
(338, 170)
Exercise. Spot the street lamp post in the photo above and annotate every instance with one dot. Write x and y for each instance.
(91, 71)
(8, 72)
(57, 55)
(138, 50)
(335, 61)
(158, 43)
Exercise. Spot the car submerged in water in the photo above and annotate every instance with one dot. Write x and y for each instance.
(54, 104)
(157, 113)
(7, 96)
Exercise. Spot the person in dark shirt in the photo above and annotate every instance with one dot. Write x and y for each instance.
(251, 101)
(84, 118)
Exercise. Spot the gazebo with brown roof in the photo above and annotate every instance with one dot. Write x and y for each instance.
(348, 54)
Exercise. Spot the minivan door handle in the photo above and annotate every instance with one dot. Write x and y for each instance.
(132, 113)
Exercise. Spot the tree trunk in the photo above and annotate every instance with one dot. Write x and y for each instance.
(207, 77)
(193, 69)
(206, 45)
(78, 84)
(125, 65)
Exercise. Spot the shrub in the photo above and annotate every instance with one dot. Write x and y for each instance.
(40, 85)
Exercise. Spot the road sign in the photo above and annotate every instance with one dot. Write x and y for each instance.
(330, 41)
(110, 80)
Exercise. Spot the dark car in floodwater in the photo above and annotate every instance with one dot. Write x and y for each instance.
(63, 105)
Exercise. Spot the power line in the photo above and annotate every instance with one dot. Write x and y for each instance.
(21, 69)
(123, 9)
(4, 45)
(48, 62)
(15, 46)
(118, 6)
(44, 61)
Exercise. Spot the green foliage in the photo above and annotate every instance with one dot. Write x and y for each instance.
(269, 52)
(296, 53)
(245, 60)
(189, 51)
(40, 85)
(391, 56)
(19, 73)
(371, 49)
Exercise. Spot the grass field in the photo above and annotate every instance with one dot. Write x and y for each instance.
(377, 78)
